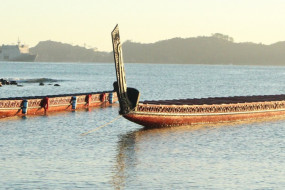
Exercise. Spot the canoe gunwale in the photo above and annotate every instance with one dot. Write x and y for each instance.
(202, 114)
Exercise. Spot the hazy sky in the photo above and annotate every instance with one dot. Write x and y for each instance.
(91, 21)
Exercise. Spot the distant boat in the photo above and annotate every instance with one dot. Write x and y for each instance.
(16, 53)
(163, 113)
(42, 105)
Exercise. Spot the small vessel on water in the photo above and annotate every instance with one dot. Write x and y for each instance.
(41, 105)
(17, 53)
(163, 113)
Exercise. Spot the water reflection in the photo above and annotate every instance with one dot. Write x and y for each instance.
(131, 145)
(137, 148)
(125, 159)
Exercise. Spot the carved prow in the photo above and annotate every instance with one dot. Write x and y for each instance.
(128, 97)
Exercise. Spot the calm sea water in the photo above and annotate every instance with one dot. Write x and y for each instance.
(47, 152)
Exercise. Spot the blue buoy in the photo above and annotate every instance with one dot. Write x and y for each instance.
(111, 98)
(25, 107)
(74, 102)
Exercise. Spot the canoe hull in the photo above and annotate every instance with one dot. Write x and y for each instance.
(154, 115)
(157, 121)
(41, 105)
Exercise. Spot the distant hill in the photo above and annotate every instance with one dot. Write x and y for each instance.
(205, 50)
(216, 49)
(51, 51)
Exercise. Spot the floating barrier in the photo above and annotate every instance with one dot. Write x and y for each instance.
(40, 105)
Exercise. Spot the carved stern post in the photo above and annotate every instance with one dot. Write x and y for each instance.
(128, 97)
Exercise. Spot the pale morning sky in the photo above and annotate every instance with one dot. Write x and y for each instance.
(91, 21)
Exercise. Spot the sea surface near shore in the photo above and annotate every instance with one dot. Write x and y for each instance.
(47, 152)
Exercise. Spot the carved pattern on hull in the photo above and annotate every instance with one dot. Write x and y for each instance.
(10, 103)
(58, 101)
(35, 103)
(243, 107)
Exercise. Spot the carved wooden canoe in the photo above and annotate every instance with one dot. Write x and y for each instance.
(208, 110)
(40, 105)
(188, 111)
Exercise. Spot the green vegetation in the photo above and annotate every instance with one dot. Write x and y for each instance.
(50, 51)
(216, 49)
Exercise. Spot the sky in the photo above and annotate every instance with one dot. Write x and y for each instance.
(90, 22)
